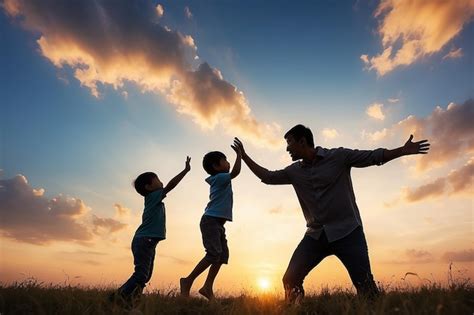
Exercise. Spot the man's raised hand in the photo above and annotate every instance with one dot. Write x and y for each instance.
(187, 165)
(238, 146)
(236, 149)
(419, 147)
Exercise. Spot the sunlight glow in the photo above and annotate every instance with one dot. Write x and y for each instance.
(263, 284)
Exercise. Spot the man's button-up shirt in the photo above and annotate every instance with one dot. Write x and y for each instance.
(324, 189)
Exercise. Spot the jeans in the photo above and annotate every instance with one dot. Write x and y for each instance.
(143, 249)
(351, 250)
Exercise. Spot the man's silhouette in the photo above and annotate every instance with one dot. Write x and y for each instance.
(322, 182)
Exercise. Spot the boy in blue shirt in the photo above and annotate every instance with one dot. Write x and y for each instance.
(217, 212)
(151, 231)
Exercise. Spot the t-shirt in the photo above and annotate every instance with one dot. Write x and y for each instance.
(154, 216)
(220, 203)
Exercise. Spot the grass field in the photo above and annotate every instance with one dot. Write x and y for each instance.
(31, 297)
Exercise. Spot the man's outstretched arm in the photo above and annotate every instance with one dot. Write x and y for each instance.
(419, 147)
(259, 171)
(268, 177)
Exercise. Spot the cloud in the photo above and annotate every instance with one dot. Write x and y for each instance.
(188, 13)
(453, 54)
(466, 255)
(375, 136)
(113, 43)
(329, 133)
(275, 210)
(106, 225)
(450, 132)
(365, 58)
(176, 260)
(375, 111)
(121, 211)
(418, 256)
(435, 188)
(413, 29)
(412, 256)
(159, 10)
(28, 216)
(393, 100)
(456, 182)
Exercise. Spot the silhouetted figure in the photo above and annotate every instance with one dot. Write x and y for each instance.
(150, 232)
(217, 212)
(322, 182)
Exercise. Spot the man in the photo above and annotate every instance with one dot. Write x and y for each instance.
(322, 182)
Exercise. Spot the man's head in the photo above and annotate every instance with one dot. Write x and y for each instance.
(146, 183)
(299, 139)
(215, 162)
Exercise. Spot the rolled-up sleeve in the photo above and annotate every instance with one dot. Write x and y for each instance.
(364, 158)
(279, 177)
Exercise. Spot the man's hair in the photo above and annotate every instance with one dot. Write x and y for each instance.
(211, 159)
(142, 180)
(300, 131)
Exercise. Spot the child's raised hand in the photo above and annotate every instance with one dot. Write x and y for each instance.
(187, 166)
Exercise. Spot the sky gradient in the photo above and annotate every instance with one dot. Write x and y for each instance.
(96, 92)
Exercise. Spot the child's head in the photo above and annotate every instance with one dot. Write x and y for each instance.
(215, 162)
(146, 183)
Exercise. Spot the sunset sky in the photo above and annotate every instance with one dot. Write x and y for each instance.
(94, 93)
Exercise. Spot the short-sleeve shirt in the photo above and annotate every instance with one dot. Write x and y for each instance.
(324, 189)
(154, 216)
(220, 198)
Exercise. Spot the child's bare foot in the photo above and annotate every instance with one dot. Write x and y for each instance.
(185, 286)
(207, 293)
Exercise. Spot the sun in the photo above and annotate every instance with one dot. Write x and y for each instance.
(263, 284)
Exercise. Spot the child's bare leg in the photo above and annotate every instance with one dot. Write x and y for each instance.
(206, 290)
(186, 283)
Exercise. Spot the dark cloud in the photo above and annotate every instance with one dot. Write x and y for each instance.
(450, 131)
(418, 256)
(28, 216)
(413, 256)
(460, 181)
(466, 255)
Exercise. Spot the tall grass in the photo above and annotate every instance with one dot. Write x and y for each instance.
(33, 297)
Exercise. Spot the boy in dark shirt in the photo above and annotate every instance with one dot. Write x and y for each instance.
(151, 231)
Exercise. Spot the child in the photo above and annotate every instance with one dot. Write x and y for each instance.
(217, 212)
(151, 231)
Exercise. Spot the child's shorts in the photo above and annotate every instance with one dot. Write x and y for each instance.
(213, 238)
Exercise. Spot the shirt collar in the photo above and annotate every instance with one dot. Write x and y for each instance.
(320, 152)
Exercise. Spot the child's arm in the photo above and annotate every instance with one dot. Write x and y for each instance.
(173, 182)
(238, 162)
